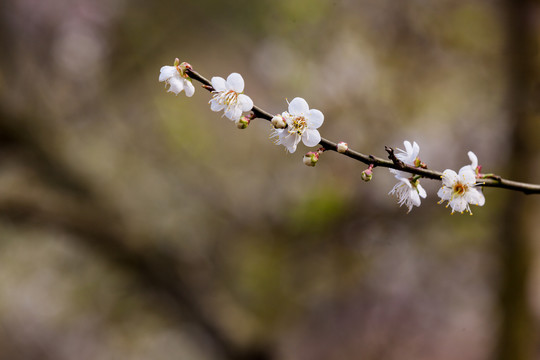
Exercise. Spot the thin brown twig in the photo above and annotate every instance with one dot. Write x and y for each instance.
(495, 181)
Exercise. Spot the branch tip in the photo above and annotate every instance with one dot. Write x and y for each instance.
(393, 157)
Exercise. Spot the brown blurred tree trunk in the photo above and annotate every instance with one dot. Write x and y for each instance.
(516, 333)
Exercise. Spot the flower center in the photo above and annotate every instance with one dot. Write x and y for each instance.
(459, 189)
(298, 125)
(229, 97)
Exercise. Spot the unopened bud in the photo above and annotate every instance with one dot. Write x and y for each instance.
(367, 175)
(243, 122)
(342, 147)
(176, 62)
(279, 122)
(311, 158)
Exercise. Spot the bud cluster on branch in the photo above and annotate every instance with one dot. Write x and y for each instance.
(300, 124)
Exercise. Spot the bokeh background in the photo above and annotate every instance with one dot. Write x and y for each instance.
(135, 224)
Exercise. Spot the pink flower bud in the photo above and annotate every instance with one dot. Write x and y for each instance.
(367, 175)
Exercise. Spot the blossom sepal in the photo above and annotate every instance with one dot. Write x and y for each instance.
(419, 164)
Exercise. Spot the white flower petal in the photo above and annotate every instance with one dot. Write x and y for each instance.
(245, 102)
(216, 106)
(467, 176)
(449, 177)
(415, 151)
(459, 204)
(234, 113)
(177, 85)
(291, 149)
(289, 141)
(414, 198)
(315, 119)
(409, 154)
(445, 193)
(474, 160)
(235, 82)
(167, 72)
(298, 106)
(399, 174)
(408, 147)
(406, 182)
(421, 191)
(475, 197)
(481, 199)
(218, 83)
(189, 88)
(311, 137)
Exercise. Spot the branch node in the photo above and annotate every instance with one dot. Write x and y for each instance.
(492, 176)
(393, 157)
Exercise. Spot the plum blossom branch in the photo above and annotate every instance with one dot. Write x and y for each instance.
(488, 180)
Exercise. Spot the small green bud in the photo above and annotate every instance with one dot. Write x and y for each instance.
(367, 175)
(243, 122)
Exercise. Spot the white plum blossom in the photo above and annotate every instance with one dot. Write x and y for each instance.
(408, 156)
(460, 190)
(408, 192)
(177, 79)
(228, 96)
(302, 124)
(408, 189)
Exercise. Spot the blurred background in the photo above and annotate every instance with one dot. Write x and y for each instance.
(135, 224)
